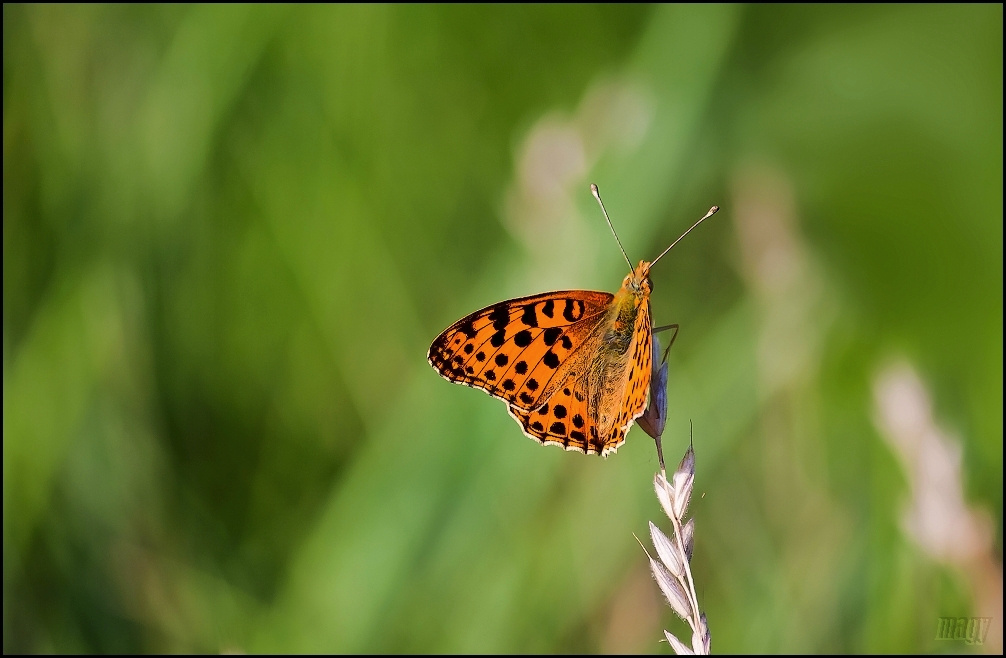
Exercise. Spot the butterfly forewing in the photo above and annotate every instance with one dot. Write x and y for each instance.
(513, 350)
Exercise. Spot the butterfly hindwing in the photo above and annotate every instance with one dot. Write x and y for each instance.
(513, 349)
(563, 420)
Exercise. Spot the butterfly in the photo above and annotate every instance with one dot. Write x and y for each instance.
(573, 366)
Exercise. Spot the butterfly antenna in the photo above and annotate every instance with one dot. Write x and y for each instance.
(597, 195)
(712, 211)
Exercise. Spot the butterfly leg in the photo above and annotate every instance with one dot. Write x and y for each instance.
(667, 327)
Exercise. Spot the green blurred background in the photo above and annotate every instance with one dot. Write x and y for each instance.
(230, 234)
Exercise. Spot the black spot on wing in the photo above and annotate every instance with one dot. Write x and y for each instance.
(529, 317)
(499, 316)
(573, 310)
(551, 360)
(551, 335)
(548, 308)
(522, 338)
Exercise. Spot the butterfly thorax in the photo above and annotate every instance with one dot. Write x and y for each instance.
(635, 291)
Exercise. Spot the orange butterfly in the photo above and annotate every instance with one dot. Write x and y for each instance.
(573, 366)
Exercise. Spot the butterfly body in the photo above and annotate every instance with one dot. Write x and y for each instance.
(572, 366)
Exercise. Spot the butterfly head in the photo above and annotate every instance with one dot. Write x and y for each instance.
(638, 281)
